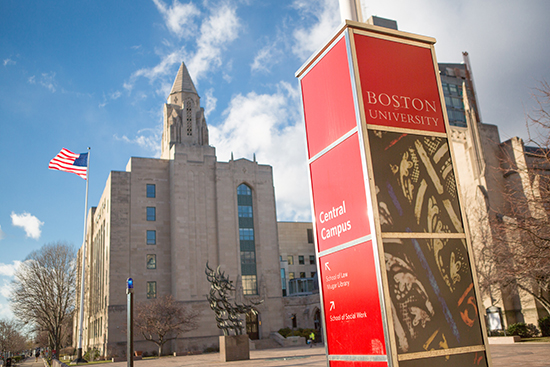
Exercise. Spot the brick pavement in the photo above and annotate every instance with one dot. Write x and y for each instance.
(510, 355)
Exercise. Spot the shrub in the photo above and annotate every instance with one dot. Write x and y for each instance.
(523, 330)
(285, 331)
(298, 332)
(544, 325)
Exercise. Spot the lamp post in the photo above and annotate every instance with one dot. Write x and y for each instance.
(130, 322)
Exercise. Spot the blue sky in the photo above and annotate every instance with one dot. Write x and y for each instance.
(80, 74)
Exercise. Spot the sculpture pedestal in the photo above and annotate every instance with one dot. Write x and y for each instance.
(234, 348)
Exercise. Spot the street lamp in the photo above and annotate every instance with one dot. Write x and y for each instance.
(130, 322)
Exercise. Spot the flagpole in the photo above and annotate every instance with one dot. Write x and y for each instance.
(79, 358)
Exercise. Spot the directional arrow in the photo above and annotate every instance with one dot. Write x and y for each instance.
(332, 307)
(326, 266)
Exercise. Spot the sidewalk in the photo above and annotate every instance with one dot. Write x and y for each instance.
(511, 355)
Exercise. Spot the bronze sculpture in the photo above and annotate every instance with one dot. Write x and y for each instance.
(227, 315)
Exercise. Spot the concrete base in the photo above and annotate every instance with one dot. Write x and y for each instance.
(234, 348)
(504, 339)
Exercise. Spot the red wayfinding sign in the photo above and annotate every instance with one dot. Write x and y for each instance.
(349, 280)
(371, 83)
(399, 85)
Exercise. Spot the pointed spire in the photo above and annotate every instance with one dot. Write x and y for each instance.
(183, 82)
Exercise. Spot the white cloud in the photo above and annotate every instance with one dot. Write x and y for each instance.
(269, 126)
(326, 14)
(162, 69)
(2, 234)
(179, 17)
(210, 102)
(266, 57)
(8, 62)
(110, 97)
(216, 33)
(29, 223)
(6, 290)
(146, 139)
(47, 80)
(9, 270)
(6, 312)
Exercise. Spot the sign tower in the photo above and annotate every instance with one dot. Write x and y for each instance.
(396, 272)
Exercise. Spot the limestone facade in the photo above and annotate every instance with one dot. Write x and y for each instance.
(483, 185)
(162, 220)
(302, 307)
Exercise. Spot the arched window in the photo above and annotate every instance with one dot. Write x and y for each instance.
(246, 239)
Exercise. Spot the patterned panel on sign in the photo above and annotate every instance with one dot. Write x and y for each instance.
(415, 183)
(432, 295)
(474, 359)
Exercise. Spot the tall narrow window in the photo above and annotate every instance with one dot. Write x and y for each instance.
(283, 281)
(151, 213)
(151, 191)
(309, 235)
(151, 289)
(189, 117)
(151, 237)
(246, 239)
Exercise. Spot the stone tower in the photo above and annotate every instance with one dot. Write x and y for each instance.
(184, 121)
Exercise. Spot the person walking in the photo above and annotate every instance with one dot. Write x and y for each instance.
(36, 355)
(312, 338)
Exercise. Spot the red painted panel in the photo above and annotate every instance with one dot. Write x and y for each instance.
(339, 198)
(351, 302)
(328, 100)
(399, 85)
(357, 364)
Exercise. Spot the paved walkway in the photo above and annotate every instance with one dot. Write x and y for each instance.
(511, 355)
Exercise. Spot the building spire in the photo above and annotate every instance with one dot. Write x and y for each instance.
(182, 84)
(184, 121)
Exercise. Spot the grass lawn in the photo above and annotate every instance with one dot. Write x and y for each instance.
(542, 339)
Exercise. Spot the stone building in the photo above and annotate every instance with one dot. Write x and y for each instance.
(160, 221)
(302, 308)
(484, 181)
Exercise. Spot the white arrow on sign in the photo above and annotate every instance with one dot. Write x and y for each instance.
(326, 266)
(332, 307)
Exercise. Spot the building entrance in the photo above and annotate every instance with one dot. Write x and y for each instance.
(252, 325)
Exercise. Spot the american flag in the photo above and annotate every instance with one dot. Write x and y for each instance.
(68, 161)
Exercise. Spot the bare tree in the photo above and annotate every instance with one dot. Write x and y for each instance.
(521, 249)
(10, 338)
(44, 291)
(163, 319)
